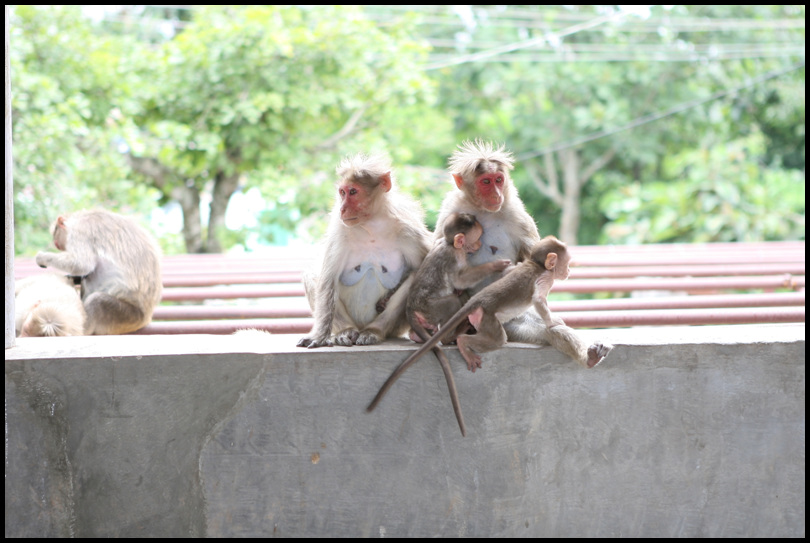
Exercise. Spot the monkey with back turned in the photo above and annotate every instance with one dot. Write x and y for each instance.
(119, 266)
(48, 305)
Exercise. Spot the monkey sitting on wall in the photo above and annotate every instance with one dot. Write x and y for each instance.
(376, 237)
(481, 173)
(434, 297)
(119, 266)
(525, 285)
(48, 305)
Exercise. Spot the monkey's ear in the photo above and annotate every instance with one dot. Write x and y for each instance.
(385, 181)
(551, 261)
(459, 179)
(60, 221)
(458, 241)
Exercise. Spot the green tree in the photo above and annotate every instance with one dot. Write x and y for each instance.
(588, 94)
(265, 95)
(66, 80)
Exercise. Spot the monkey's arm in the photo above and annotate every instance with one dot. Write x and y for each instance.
(542, 286)
(68, 262)
(469, 277)
(323, 311)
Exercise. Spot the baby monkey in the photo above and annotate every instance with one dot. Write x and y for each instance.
(525, 285)
(434, 295)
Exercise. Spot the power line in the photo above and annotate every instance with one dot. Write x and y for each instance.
(656, 116)
(548, 38)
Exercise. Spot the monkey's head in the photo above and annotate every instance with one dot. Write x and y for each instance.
(463, 231)
(60, 233)
(552, 254)
(364, 180)
(482, 172)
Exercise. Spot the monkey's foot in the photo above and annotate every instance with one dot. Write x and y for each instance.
(369, 337)
(346, 338)
(312, 343)
(597, 352)
(473, 361)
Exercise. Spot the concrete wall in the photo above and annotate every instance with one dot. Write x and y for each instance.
(685, 432)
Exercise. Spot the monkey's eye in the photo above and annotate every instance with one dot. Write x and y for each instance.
(485, 181)
(499, 179)
(342, 192)
(352, 191)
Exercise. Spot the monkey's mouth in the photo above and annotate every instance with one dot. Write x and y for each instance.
(350, 220)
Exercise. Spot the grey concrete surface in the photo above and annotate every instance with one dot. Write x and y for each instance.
(682, 432)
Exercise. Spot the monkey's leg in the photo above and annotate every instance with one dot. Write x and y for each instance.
(491, 336)
(530, 328)
(344, 328)
(565, 340)
(391, 322)
(108, 315)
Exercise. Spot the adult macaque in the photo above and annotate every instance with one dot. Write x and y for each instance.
(119, 266)
(481, 172)
(48, 305)
(526, 284)
(434, 294)
(375, 239)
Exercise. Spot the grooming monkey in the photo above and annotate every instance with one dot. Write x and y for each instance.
(119, 266)
(375, 239)
(48, 305)
(525, 285)
(434, 294)
(481, 173)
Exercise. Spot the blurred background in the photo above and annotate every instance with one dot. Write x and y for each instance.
(220, 127)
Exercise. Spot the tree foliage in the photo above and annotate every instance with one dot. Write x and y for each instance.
(685, 123)
(66, 81)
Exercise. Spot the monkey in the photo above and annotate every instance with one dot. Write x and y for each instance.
(119, 265)
(375, 238)
(48, 305)
(434, 298)
(524, 285)
(480, 171)
(444, 272)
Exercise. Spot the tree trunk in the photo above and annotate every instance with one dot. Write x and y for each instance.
(189, 198)
(224, 187)
(569, 218)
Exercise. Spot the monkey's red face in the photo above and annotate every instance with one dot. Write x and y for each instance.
(355, 203)
(489, 190)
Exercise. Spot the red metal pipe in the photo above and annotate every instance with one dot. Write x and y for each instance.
(689, 284)
(780, 299)
(611, 319)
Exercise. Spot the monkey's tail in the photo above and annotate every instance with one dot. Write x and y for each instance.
(430, 343)
(448, 376)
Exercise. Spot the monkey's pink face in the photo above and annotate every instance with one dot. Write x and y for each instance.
(489, 190)
(355, 204)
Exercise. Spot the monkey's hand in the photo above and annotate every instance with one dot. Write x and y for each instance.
(500, 265)
(43, 259)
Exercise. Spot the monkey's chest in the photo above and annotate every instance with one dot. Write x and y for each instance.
(385, 267)
(496, 244)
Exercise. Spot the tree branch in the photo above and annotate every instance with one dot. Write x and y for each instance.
(345, 130)
(596, 165)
